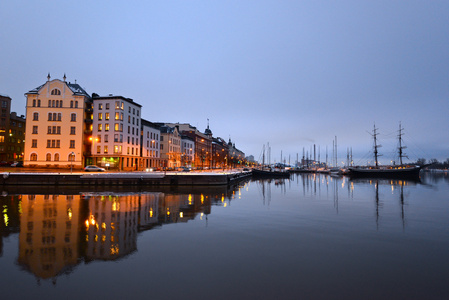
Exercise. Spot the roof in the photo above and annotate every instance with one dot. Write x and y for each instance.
(112, 97)
(74, 87)
(149, 124)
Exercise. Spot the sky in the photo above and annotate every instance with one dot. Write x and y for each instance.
(289, 73)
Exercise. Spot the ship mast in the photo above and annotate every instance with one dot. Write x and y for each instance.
(376, 153)
(401, 154)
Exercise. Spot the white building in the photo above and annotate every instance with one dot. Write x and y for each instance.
(151, 155)
(116, 133)
(187, 151)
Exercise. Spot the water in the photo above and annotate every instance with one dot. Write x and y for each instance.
(311, 237)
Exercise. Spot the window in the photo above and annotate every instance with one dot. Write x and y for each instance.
(137, 113)
(53, 143)
(33, 143)
(100, 127)
(106, 116)
(106, 149)
(35, 116)
(115, 138)
(118, 149)
(73, 117)
(100, 106)
(100, 116)
(71, 104)
(117, 127)
(71, 157)
(76, 104)
(56, 92)
(33, 157)
(117, 104)
(34, 129)
(48, 157)
(72, 144)
(98, 149)
(106, 127)
(38, 103)
(60, 105)
(117, 116)
(72, 130)
(59, 116)
(50, 117)
(106, 138)
(49, 103)
(34, 102)
(57, 157)
(107, 105)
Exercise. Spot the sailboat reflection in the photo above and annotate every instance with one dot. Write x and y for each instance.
(393, 184)
(58, 231)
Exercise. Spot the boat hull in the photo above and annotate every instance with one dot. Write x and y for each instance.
(394, 173)
(270, 174)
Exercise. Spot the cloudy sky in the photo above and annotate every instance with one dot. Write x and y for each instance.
(291, 73)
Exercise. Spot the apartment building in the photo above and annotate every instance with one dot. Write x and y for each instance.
(150, 138)
(116, 133)
(58, 116)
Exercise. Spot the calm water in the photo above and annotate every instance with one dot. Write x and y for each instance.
(311, 237)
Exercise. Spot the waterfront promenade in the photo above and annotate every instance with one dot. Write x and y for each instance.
(14, 176)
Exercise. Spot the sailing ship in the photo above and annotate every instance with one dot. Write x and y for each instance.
(401, 171)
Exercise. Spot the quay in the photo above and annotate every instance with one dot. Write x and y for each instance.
(122, 178)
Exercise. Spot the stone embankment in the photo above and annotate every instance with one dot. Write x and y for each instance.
(123, 179)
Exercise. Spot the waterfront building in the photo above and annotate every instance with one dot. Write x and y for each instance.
(58, 125)
(187, 151)
(203, 144)
(220, 153)
(236, 156)
(150, 145)
(115, 140)
(12, 132)
(170, 144)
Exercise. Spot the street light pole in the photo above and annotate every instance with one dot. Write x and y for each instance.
(71, 161)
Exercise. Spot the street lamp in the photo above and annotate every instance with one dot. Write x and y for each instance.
(72, 155)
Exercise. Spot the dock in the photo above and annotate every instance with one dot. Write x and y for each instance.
(123, 178)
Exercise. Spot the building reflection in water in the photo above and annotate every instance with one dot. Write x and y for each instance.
(49, 239)
(57, 232)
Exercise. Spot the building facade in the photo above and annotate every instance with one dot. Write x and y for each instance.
(187, 151)
(116, 133)
(170, 146)
(57, 125)
(150, 151)
(12, 132)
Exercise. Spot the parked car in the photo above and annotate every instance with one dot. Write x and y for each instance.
(185, 169)
(17, 164)
(92, 168)
(4, 164)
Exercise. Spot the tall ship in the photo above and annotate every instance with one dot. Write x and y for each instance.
(401, 171)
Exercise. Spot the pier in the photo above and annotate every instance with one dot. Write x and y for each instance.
(123, 178)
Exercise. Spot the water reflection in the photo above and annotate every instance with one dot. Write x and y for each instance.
(59, 231)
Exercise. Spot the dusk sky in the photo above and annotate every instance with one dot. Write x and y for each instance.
(291, 73)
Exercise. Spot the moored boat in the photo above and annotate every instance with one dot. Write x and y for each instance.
(270, 173)
(402, 171)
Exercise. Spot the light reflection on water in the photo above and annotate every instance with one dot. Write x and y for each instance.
(313, 236)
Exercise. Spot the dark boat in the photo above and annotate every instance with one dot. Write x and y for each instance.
(393, 172)
(270, 174)
(402, 171)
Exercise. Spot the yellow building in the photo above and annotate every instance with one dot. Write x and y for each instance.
(58, 122)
